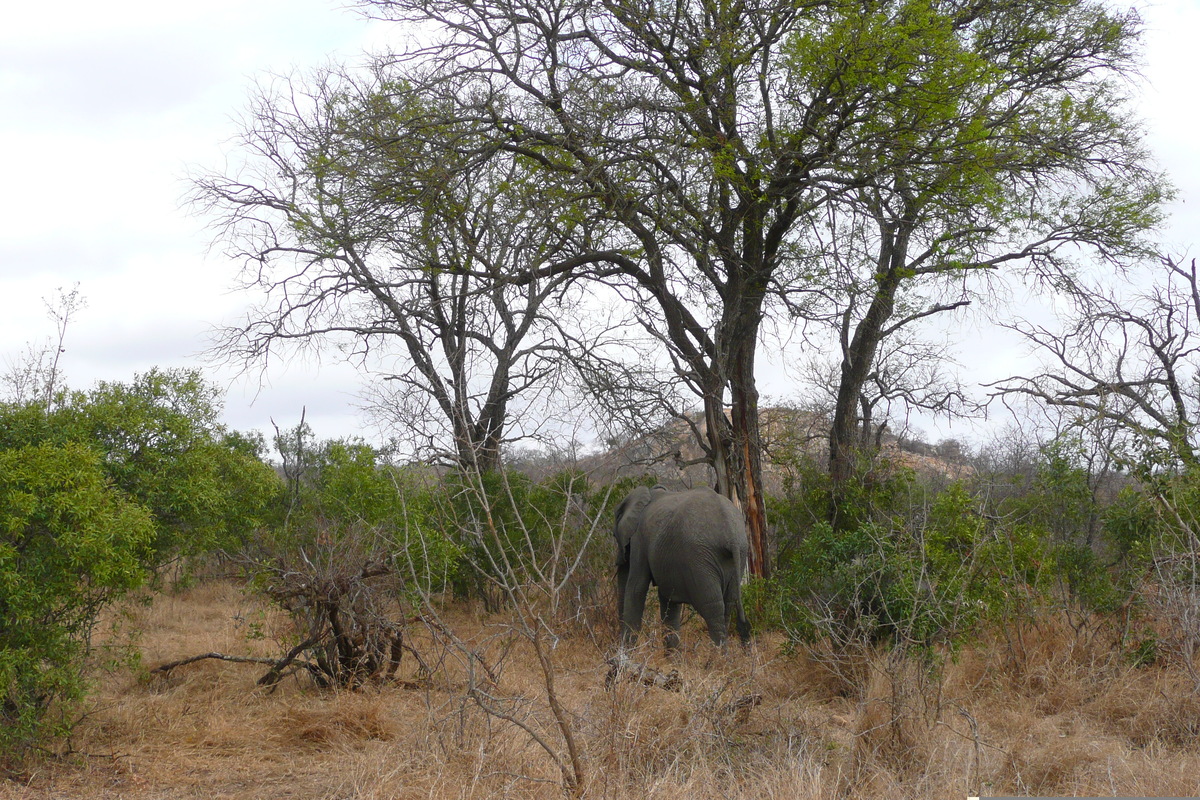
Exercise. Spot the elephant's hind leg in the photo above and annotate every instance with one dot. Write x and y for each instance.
(716, 616)
(743, 624)
(672, 616)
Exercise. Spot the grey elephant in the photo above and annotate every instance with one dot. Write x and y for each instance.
(692, 545)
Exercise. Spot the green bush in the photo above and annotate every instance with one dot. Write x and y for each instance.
(354, 552)
(907, 578)
(991, 568)
(1131, 523)
(880, 493)
(343, 499)
(1060, 499)
(158, 440)
(365, 542)
(161, 443)
(96, 490)
(70, 543)
(508, 525)
(1088, 581)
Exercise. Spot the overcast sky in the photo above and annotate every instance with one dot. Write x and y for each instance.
(104, 107)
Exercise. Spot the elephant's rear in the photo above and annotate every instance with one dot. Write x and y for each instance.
(716, 527)
(739, 553)
(693, 546)
(702, 518)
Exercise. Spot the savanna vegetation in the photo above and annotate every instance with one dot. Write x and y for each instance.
(396, 632)
(562, 218)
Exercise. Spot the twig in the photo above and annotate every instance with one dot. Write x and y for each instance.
(439, 628)
(273, 675)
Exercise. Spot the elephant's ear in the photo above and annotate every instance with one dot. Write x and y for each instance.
(625, 520)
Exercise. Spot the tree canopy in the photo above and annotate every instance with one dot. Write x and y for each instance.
(715, 164)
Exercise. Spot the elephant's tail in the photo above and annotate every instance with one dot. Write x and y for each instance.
(733, 600)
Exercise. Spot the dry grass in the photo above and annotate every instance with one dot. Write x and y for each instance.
(1034, 714)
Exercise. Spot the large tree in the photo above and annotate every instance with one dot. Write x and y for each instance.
(370, 218)
(1002, 138)
(691, 143)
(682, 126)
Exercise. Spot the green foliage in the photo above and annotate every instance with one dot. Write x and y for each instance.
(158, 440)
(162, 445)
(1165, 558)
(353, 552)
(1060, 507)
(364, 542)
(1132, 523)
(351, 485)
(1059, 500)
(920, 566)
(70, 543)
(911, 575)
(994, 570)
(879, 492)
(342, 498)
(508, 525)
(96, 489)
(1159, 529)
(1088, 581)
(956, 106)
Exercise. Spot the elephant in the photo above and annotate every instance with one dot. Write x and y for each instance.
(692, 545)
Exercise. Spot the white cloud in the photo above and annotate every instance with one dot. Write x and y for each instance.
(106, 106)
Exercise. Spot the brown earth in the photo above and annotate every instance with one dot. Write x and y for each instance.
(1039, 710)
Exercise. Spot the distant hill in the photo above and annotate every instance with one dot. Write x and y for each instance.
(671, 455)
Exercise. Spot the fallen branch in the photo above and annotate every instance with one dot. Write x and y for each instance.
(273, 675)
(164, 668)
(622, 665)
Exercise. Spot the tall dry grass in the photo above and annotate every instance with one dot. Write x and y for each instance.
(1039, 713)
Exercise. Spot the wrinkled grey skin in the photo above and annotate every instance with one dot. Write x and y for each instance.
(692, 545)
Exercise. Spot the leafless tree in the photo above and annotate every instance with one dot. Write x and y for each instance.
(37, 376)
(1129, 364)
(366, 221)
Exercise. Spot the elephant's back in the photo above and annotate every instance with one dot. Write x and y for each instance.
(699, 517)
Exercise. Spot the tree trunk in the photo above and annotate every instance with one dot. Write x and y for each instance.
(736, 342)
(478, 441)
(720, 442)
(746, 453)
(748, 450)
(735, 448)
(858, 358)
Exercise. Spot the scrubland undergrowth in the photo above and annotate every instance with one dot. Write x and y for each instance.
(1040, 711)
